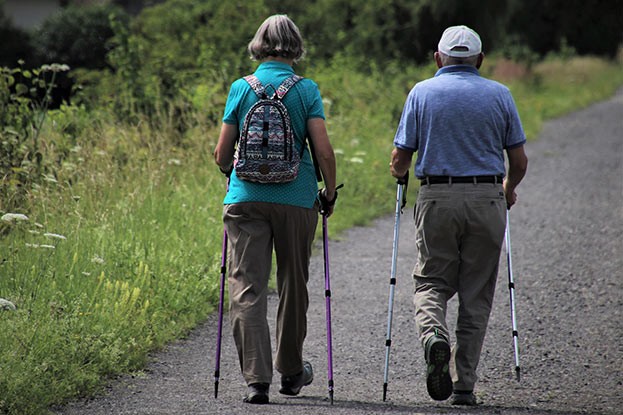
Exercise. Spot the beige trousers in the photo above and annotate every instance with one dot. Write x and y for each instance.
(459, 234)
(253, 230)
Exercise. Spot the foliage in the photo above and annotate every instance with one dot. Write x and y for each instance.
(22, 116)
(389, 29)
(77, 36)
(16, 42)
(591, 28)
(172, 50)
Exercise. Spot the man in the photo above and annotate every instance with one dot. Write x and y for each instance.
(460, 124)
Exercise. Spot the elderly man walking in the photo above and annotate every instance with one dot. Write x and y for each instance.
(460, 125)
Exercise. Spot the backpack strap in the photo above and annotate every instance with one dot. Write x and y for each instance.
(286, 85)
(256, 85)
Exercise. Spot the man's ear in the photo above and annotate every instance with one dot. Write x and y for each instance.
(438, 60)
(481, 57)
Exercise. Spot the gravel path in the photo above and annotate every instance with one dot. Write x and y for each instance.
(567, 240)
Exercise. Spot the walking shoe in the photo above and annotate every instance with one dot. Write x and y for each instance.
(438, 381)
(466, 398)
(292, 385)
(257, 393)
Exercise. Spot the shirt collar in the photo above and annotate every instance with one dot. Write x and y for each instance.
(275, 65)
(457, 68)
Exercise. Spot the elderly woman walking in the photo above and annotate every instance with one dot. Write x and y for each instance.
(260, 217)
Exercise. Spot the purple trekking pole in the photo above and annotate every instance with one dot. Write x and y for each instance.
(217, 368)
(327, 293)
(217, 365)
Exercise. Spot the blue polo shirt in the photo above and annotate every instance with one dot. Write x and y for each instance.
(459, 123)
(303, 102)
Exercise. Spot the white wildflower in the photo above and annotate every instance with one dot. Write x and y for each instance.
(54, 236)
(44, 246)
(13, 217)
(174, 162)
(97, 259)
(356, 160)
(338, 151)
(360, 153)
(86, 274)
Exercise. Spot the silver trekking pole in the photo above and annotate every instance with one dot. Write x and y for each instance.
(401, 201)
(511, 287)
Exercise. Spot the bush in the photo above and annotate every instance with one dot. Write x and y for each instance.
(15, 42)
(77, 36)
(22, 115)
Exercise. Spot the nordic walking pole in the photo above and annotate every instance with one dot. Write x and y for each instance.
(327, 293)
(401, 201)
(511, 287)
(217, 368)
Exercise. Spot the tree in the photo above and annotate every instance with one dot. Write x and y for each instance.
(589, 27)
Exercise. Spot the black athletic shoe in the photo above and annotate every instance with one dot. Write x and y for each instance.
(292, 385)
(257, 393)
(466, 398)
(438, 381)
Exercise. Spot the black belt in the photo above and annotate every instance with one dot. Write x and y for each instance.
(460, 179)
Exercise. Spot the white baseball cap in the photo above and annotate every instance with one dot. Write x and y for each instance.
(459, 42)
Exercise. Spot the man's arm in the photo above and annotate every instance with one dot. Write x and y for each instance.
(517, 167)
(401, 161)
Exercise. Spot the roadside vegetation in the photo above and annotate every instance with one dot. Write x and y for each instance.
(110, 237)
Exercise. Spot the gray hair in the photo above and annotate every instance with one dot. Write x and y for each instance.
(449, 60)
(278, 36)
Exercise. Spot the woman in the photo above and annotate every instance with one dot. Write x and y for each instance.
(261, 216)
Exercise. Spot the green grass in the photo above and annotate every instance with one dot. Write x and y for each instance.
(141, 219)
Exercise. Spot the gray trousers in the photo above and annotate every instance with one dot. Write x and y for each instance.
(253, 230)
(459, 234)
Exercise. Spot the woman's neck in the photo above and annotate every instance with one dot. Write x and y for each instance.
(287, 61)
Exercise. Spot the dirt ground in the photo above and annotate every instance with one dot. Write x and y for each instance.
(567, 243)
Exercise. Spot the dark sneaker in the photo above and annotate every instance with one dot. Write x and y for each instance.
(257, 393)
(292, 385)
(438, 381)
(466, 398)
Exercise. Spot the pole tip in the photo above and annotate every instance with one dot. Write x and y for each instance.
(518, 371)
(216, 389)
(384, 391)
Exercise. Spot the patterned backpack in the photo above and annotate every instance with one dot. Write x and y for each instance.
(266, 152)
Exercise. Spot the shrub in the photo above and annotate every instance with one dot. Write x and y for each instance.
(77, 36)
